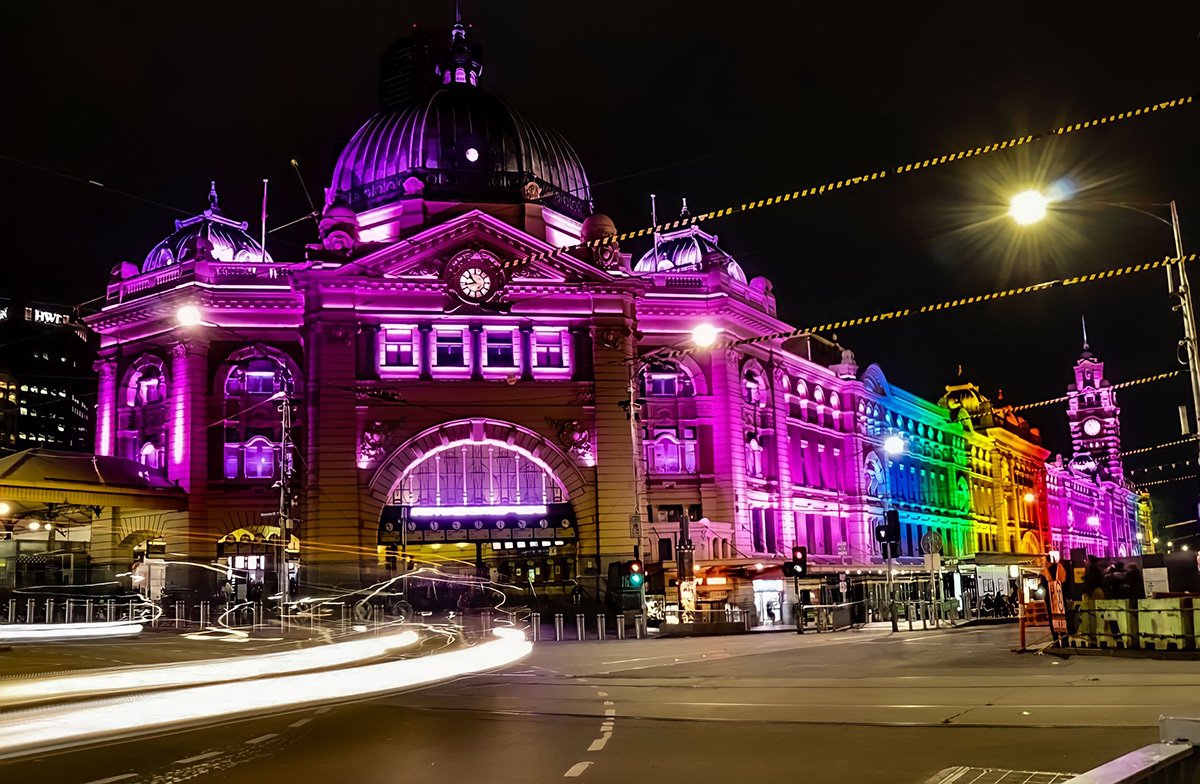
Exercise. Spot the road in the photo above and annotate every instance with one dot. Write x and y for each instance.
(851, 707)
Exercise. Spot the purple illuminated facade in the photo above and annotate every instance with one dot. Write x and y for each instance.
(480, 418)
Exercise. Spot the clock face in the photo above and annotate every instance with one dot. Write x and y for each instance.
(474, 276)
(1091, 426)
(475, 283)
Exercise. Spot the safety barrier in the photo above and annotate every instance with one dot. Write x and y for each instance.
(1148, 624)
(597, 629)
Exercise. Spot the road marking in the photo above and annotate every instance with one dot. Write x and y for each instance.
(601, 694)
(197, 758)
(610, 712)
(124, 776)
(322, 710)
(300, 723)
(262, 738)
(606, 726)
(598, 743)
(577, 770)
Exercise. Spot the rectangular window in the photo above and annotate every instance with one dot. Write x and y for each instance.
(231, 461)
(669, 453)
(398, 348)
(450, 349)
(501, 350)
(551, 351)
(661, 384)
(758, 531)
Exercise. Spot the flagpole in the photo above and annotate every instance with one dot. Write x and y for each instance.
(263, 244)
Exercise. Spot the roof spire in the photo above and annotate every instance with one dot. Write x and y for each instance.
(1085, 340)
(683, 212)
(461, 64)
(212, 196)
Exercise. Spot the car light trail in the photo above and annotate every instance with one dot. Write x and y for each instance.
(50, 632)
(338, 654)
(55, 727)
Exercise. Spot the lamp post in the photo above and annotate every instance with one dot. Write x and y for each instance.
(1030, 207)
(893, 446)
(703, 335)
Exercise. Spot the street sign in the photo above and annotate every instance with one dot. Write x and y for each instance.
(635, 526)
(931, 542)
(843, 548)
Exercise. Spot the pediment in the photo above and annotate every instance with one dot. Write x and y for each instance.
(424, 256)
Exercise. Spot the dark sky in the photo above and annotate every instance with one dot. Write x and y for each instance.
(716, 102)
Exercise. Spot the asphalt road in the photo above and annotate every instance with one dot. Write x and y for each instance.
(851, 707)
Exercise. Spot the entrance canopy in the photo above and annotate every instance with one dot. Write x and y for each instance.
(73, 487)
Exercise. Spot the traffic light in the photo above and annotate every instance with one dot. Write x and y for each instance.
(634, 573)
(798, 566)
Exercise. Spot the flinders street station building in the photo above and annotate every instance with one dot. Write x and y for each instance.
(419, 398)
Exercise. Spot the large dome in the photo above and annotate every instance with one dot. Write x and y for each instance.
(460, 144)
(688, 249)
(207, 235)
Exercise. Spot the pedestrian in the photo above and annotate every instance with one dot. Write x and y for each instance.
(577, 595)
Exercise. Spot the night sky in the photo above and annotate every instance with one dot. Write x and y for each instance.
(680, 99)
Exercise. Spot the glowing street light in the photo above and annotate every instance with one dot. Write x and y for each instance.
(34, 525)
(705, 335)
(893, 445)
(5, 508)
(1030, 498)
(1028, 207)
(188, 316)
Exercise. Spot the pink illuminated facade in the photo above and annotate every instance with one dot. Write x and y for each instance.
(479, 418)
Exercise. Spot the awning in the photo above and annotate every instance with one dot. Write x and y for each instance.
(402, 523)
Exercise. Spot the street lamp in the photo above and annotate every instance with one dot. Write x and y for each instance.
(1030, 498)
(705, 335)
(189, 316)
(1028, 207)
(4, 509)
(893, 445)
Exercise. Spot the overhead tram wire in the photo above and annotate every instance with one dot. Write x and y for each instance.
(1122, 385)
(1143, 450)
(1158, 482)
(94, 183)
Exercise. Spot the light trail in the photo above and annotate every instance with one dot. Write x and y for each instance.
(236, 668)
(53, 632)
(43, 729)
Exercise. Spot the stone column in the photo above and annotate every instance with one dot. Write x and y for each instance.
(107, 406)
(187, 449)
(337, 547)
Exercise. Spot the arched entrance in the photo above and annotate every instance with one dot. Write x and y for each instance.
(485, 498)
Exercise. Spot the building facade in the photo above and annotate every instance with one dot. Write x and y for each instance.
(47, 386)
(419, 391)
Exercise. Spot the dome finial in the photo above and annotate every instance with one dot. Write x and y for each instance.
(212, 196)
(683, 211)
(1085, 341)
(461, 64)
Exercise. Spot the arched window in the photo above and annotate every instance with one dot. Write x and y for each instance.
(253, 422)
(142, 419)
(752, 387)
(666, 379)
(479, 473)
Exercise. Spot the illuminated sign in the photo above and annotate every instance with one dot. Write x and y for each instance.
(39, 316)
(401, 523)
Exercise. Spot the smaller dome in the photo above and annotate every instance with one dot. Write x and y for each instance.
(688, 249)
(204, 236)
(596, 226)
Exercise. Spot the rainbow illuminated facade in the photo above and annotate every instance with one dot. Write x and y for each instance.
(485, 414)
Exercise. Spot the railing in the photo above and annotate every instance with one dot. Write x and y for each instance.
(1173, 760)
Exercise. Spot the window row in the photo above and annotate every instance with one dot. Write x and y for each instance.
(451, 351)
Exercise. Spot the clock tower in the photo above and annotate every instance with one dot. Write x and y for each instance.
(1095, 419)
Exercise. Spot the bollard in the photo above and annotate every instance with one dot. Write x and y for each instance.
(600, 626)
(580, 627)
(558, 627)
(204, 615)
(69, 617)
(49, 611)
(345, 617)
(485, 621)
(639, 626)
(178, 615)
(535, 627)
(620, 627)
(30, 610)
(90, 611)
(12, 610)
(924, 615)
(908, 612)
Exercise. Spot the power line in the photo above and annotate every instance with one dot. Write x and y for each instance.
(1145, 449)
(1123, 385)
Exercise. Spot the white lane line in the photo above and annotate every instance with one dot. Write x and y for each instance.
(262, 738)
(124, 776)
(609, 702)
(577, 770)
(610, 712)
(598, 743)
(322, 710)
(197, 758)
(606, 726)
(300, 723)
(601, 694)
